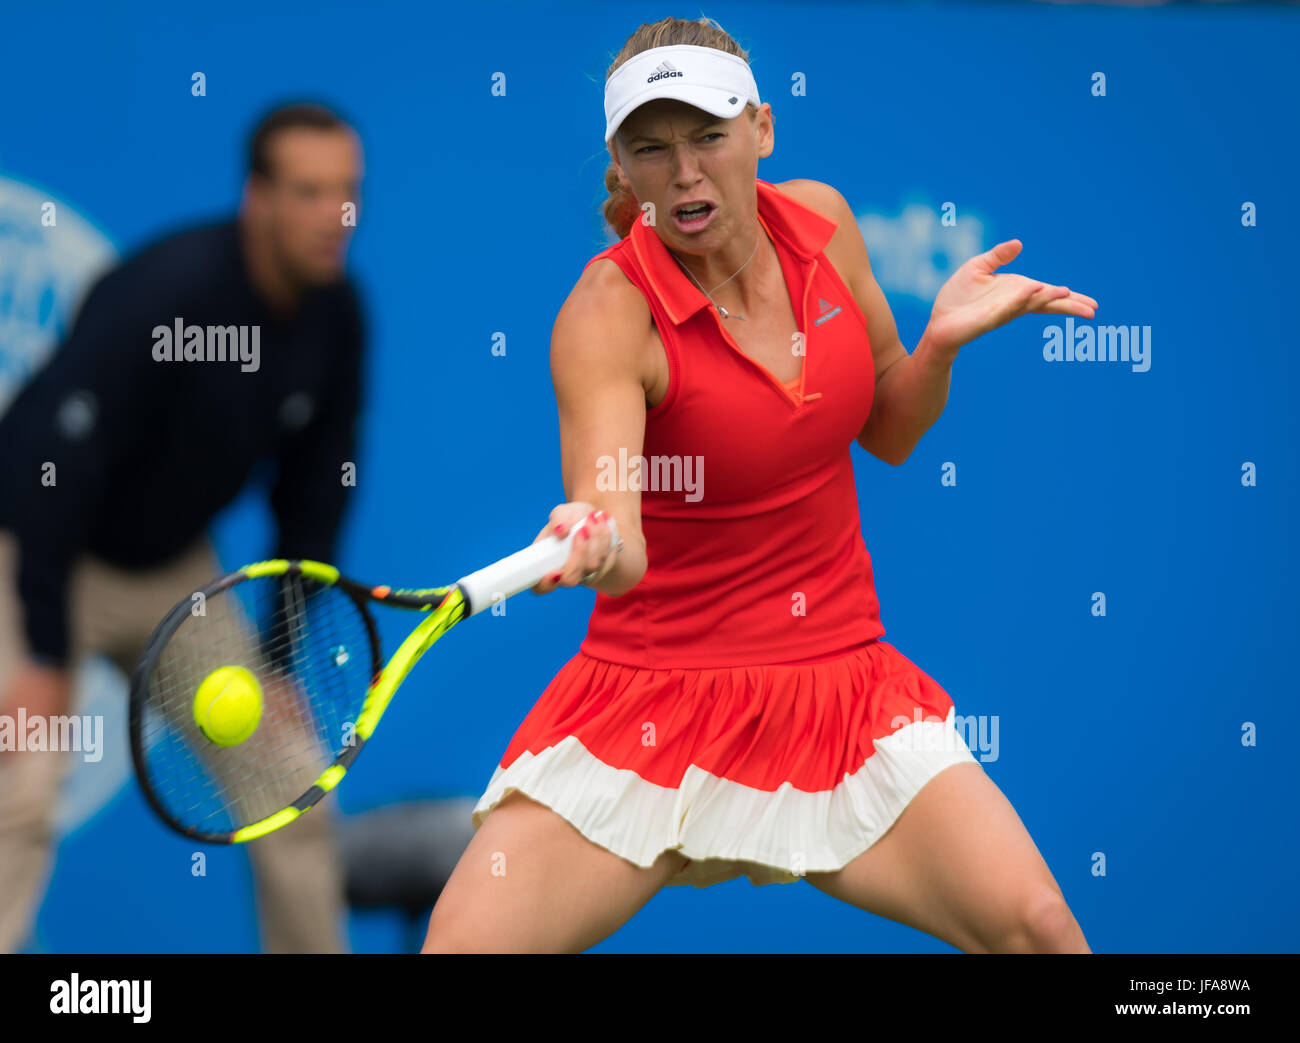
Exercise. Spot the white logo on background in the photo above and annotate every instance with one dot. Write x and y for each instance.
(914, 254)
(45, 270)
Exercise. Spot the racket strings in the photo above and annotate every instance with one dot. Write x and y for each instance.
(311, 649)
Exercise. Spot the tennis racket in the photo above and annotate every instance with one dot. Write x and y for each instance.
(254, 696)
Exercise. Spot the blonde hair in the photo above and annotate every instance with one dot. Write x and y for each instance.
(622, 207)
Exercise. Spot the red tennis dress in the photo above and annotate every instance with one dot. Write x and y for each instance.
(738, 705)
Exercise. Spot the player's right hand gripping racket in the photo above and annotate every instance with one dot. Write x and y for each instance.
(254, 696)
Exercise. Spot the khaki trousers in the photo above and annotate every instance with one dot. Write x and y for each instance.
(296, 871)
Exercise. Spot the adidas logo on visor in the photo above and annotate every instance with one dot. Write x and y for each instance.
(663, 71)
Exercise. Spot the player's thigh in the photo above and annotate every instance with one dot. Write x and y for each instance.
(959, 864)
(530, 882)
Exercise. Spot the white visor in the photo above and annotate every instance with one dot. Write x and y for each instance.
(712, 80)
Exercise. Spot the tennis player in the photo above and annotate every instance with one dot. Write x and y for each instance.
(733, 709)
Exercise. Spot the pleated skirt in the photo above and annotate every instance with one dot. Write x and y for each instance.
(768, 772)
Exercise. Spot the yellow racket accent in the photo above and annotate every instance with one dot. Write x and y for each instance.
(406, 656)
(330, 778)
(267, 825)
(279, 566)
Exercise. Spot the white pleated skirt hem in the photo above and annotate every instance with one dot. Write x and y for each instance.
(725, 828)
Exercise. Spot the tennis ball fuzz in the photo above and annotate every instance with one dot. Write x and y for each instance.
(228, 705)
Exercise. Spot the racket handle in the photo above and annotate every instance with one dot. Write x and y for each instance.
(522, 570)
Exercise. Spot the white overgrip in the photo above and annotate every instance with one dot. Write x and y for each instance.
(523, 569)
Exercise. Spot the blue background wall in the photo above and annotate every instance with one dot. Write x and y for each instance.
(1118, 734)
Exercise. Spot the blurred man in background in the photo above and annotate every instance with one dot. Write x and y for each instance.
(113, 462)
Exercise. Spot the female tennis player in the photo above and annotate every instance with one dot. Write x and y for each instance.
(733, 710)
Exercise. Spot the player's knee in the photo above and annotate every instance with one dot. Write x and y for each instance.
(449, 940)
(436, 942)
(447, 934)
(1045, 924)
(439, 940)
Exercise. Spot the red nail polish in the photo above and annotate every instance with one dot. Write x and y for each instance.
(556, 577)
(582, 534)
(560, 529)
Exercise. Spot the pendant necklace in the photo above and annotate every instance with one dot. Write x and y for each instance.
(721, 310)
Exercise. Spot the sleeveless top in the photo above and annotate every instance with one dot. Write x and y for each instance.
(748, 501)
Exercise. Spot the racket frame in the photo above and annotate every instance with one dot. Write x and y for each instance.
(384, 682)
(468, 596)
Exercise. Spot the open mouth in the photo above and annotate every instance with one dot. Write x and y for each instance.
(693, 215)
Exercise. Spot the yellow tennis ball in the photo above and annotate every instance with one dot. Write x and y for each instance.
(228, 705)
